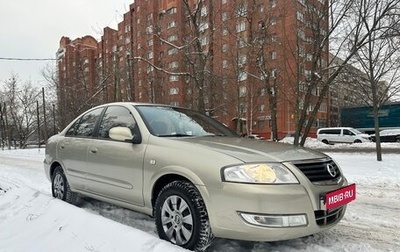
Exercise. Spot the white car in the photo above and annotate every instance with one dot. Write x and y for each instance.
(342, 135)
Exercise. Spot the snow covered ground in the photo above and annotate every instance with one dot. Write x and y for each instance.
(31, 220)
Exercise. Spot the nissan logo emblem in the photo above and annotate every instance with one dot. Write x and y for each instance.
(331, 170)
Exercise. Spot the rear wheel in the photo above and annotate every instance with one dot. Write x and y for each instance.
(398, 140)
(60, 187)
(357, 141)
(181, 216)
(325, 141)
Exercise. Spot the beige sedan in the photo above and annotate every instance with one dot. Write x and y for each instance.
(195, 176)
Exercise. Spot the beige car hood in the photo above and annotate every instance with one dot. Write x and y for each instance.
(249, 150)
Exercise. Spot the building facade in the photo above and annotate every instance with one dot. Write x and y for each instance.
(246, 63)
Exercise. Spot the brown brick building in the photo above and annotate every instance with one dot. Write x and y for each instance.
(243, 62)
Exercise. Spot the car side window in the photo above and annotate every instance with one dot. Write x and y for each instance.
(116, 116)
(348, 132)
(84, 127)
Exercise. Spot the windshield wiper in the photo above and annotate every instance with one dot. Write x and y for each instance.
(177, 135)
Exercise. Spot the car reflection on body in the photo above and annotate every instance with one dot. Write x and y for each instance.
(196, 177)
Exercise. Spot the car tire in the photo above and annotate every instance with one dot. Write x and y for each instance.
(60, 187)
(357, 141)
(181, 216)
(325, 141)
(398, 140)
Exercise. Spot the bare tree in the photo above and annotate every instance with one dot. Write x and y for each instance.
(335, 26)
(21, 108)
(380, 56)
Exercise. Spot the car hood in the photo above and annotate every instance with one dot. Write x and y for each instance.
(249, 150)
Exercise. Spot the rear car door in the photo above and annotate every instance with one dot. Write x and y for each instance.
(72, 149)
(116, 167)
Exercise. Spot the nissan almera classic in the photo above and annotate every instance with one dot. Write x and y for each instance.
(196, 177)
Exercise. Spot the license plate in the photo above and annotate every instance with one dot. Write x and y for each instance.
(340, 197)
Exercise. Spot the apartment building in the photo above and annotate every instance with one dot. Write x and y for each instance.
(242, 62)
(351, 89)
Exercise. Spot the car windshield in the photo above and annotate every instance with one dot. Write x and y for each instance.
(167, 121)
(357, 131)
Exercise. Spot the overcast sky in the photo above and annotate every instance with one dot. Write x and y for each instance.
(32, 29)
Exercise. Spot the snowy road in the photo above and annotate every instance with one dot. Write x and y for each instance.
(31, 220)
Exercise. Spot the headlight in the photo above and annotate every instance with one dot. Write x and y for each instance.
(266, 173)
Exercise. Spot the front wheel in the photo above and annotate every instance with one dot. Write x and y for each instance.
(181, 216)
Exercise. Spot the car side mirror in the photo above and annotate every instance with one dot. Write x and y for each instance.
(124, 134)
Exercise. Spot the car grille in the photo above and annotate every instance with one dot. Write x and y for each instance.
(319, 171)
(324, 218)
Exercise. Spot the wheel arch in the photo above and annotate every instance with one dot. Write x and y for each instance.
(161, 182)
(53, 167)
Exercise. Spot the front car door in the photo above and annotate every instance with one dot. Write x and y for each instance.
(116, 167)
(348, 136)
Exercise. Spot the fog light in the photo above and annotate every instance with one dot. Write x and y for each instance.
(275, 220)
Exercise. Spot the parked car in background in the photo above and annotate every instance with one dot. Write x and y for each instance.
(341, 135)
(198, 178)
(390, 135)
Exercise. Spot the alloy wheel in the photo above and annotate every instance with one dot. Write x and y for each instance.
(177, 220)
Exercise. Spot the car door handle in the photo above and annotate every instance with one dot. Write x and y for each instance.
(94, 150)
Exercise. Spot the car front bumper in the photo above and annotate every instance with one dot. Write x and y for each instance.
(227, 205)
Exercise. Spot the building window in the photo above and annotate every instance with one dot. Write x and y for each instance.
(204, 41)
(262, 108)
(273, 21)
(242, 10)
(223, 1)
(173, 78)
(224, 64)
(150, 42)
(242, 91)
(301, 34)
(242, 76)
(242, 43)
(224, 16)
(272, 3)
(204, 11)
(172, 38)
(225, 47)
(150, 16)
(300, 16)
(127, 28)
(172, 51)
(171, 24)
(309, 57)
(260, 7)
(242, 59)
(173, 65)
(274, 55)
(225, 31)
(150, 55)
(173, 91)
(171, 10)
(274, 73)
(241, 26)
(203, 27)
